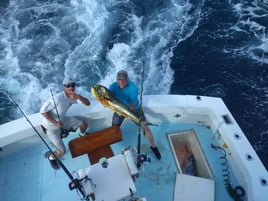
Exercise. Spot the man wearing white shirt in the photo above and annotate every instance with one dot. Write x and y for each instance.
(55, 120)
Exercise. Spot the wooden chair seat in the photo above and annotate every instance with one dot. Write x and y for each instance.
(96, 145)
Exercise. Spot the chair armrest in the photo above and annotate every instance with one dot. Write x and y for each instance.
(131, 163)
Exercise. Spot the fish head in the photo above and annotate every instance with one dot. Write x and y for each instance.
(100, 92)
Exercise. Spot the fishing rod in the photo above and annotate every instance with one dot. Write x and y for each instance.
(64, 133)
(55, 105)
(141, 158)
(75, 183)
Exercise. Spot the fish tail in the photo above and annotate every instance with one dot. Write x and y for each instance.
(145, 123)
(151, 124)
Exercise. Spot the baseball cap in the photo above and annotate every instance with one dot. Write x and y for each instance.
(67, 81)
(122, 75)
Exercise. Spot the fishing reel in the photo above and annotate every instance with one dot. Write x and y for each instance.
(75, 183)
(65, 132)
(141, 159)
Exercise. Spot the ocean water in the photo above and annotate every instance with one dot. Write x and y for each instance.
(203, 47)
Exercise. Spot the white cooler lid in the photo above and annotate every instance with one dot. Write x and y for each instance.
(193, 188)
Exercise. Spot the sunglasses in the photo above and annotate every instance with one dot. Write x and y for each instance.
(70, 85)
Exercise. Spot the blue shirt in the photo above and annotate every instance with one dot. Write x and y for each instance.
(127, 95)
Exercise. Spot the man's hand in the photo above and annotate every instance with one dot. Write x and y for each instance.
(59, 124)
(132, 106)
(74, 96)
(50, 118)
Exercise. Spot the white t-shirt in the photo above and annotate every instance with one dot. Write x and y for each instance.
(62, 103)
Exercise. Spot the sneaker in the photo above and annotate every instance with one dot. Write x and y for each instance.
(54, 164)
(156, 152)
(47, 154)
(84, 134)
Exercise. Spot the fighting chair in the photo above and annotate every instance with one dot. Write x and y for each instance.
(96, 145)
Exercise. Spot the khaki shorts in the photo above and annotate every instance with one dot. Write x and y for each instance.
(54, 135)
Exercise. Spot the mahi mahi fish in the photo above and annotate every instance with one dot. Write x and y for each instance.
(106, 98)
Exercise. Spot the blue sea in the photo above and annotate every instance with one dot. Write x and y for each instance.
(203, 47)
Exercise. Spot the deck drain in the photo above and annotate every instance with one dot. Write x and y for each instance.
(263, 182)
(249, 157)
(237, 136)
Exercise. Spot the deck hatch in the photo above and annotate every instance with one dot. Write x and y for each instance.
(185, 144)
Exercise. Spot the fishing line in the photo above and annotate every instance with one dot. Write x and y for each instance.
(75, 183)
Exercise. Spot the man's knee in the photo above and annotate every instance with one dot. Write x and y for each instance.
(83, 126)
(84, 123)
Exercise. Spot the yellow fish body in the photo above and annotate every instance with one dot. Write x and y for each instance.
(106, 98)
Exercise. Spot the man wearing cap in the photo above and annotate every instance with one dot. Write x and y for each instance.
(127, 92)
(55, 121)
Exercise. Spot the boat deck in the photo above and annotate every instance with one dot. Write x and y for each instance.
(27, 175)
